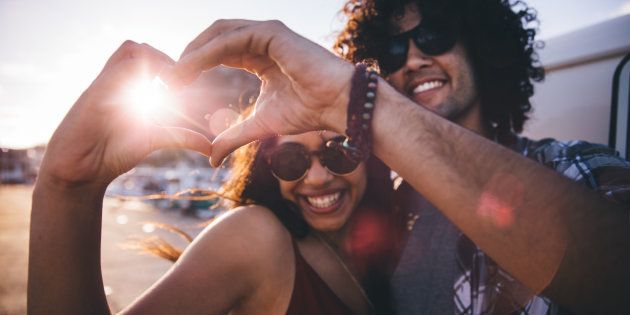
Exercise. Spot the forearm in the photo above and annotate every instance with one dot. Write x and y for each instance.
(526, 217)
(64, 253)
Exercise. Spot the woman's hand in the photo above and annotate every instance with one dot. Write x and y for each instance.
(304, 86)
(100, 138)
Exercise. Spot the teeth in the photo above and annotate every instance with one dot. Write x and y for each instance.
(427, 86)
(324, 201)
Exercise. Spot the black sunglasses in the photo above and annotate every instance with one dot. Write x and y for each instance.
(431, 38)
(291, 161)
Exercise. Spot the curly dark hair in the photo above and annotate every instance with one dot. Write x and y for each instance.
(498, 36)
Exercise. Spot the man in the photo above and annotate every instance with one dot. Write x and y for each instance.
(542, 229)
(471, 62)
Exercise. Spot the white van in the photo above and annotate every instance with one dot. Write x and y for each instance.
(586, 91)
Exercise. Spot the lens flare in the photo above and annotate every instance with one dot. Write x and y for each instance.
(148, 228)
(149, 99)
(501, 197)
(221, 120)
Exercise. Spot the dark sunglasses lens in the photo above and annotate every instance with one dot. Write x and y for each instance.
(290, 161)
(337, 162)
(434, 42)
(395, 56)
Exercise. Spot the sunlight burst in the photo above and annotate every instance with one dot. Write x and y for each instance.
(149, 99)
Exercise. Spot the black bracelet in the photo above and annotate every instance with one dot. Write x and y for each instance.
(364, 82)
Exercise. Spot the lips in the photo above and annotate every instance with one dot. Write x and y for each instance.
(324, 203)
(429, 85)
(427, 90)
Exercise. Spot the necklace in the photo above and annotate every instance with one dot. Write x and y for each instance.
(345, 267)
(411, 220)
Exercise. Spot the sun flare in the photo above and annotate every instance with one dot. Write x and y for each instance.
(149, 99)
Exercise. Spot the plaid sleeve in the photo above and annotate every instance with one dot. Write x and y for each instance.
(597, 166)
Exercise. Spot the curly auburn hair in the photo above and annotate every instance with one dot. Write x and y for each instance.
(497, 36)
(251, 181)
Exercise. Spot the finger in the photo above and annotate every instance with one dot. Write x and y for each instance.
(235, 137)
(239, 47)
(144, 60)
(180, 138)
(121, 53)
(132, 62)
(173, 77)
(157, 55)
(212, 31)
(132, 50)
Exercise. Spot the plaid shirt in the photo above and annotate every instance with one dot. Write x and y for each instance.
(482, 287)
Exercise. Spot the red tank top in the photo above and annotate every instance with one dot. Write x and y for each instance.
(311, 295)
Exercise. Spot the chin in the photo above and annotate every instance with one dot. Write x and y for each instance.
(326, 226)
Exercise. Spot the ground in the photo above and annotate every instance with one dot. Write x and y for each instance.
(126, 273)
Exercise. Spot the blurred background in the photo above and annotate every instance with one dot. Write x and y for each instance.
(51, 50)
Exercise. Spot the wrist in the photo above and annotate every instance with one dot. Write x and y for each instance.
(64, 203)
(335, 118)
(51, 184)
(359, 112)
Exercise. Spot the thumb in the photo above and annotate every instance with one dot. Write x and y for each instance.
(235, 137)
(181, 138)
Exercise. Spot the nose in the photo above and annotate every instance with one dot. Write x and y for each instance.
(416, 59)
(317, 175)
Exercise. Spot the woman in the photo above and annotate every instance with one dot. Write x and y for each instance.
(250, 261)
(331, 209)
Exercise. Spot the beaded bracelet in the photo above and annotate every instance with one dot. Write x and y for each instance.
(358, 145)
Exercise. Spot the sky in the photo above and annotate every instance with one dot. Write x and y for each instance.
(51, 50)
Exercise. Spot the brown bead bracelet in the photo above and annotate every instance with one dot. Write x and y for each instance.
(364, 82)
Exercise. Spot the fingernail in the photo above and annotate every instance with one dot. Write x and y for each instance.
(213, 163)
(221, 163)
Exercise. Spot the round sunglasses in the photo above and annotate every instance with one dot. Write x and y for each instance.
(431, 38)
(290, 161)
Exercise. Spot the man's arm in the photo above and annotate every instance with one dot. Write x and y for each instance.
(536, 224)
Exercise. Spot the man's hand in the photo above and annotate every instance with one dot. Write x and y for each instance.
(99, 138)
(304, 87)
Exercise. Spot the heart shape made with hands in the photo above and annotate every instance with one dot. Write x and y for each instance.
(304, 86)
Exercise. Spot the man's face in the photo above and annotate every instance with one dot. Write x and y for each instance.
(443, 83)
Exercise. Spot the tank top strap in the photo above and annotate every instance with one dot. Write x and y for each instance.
(311, 295)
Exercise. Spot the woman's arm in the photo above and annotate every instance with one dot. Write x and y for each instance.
(242, 262)
(64, 272)
(228, 266)
(97, 141)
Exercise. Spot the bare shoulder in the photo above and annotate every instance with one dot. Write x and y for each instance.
(253, 227)
(247, 238)
(242, 258)
(253, 215)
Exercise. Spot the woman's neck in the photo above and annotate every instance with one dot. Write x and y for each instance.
(335, 239)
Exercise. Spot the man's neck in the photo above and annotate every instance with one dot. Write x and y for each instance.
(473, 121)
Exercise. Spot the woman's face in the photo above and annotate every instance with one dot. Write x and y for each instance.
(326, 200)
